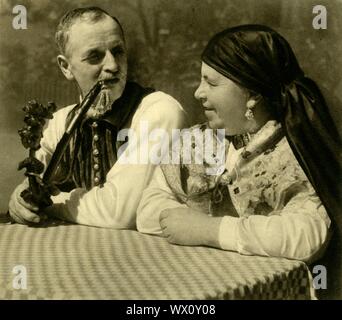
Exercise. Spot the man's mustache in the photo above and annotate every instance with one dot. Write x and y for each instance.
(118, 75)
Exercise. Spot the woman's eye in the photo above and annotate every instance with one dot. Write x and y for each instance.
(209, 82)
(212, 84)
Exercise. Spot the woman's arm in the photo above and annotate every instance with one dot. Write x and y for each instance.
(299, 231)
(185, 226)
(160, 213)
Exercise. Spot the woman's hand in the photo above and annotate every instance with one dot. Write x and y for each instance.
(188, 227)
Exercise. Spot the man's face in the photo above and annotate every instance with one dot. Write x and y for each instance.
(96, 51)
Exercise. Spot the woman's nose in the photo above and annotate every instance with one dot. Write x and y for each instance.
(199, 93)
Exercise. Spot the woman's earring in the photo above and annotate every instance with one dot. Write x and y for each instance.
(250, 105)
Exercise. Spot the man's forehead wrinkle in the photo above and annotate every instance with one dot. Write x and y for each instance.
(100, 45)
(96, 42)
(88, 29)
(94, 39)
(87, 19)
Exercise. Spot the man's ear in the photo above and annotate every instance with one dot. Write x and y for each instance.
(64, 65)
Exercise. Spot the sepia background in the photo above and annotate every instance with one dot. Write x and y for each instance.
(165, 39)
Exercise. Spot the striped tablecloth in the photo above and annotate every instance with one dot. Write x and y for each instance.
(78, 262)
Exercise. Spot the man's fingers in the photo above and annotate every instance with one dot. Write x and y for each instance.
(25, 216)
(21, 214)
(27, 205)
(29, 216)
(21, 211)
(16, 218)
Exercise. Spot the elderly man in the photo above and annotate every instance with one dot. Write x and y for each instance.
(96, 188)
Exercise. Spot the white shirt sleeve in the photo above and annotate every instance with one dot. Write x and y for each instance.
(114, 204)
(53, 132)
(156, 198)
(299, 231)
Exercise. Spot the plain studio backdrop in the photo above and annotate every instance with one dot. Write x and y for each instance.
(165, 39)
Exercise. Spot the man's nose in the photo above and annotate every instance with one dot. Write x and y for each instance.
(109, 63)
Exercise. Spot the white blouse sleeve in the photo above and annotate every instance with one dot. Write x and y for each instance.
(299, 231)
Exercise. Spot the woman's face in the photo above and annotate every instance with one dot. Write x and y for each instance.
(223, 101)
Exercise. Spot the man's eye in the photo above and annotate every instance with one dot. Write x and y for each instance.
(94, 58)
(117, 51)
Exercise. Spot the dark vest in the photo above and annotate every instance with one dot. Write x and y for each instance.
(92, 150)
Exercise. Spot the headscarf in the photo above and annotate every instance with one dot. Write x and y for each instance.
(262, 61)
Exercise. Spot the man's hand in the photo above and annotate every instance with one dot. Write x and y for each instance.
(21, 211)
(188, 227)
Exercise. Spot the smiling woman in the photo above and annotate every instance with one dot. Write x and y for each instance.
(213, 92)
(276, 197)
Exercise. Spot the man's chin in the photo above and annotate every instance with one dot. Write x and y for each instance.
(112, 95)
(108, 95)
(102, 105)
